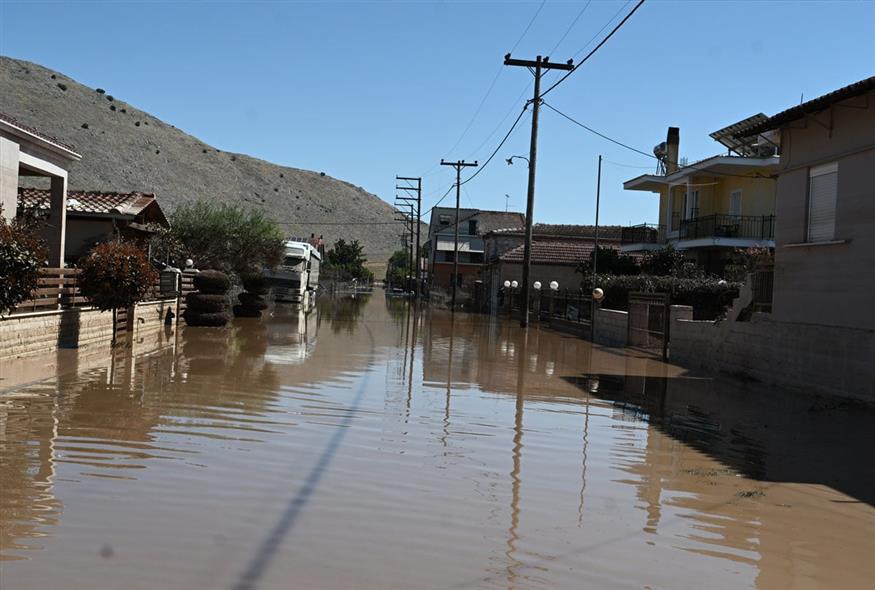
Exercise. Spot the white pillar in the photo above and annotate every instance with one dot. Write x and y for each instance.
(8, 177)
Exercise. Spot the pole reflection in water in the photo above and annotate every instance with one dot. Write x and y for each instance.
(375, 445)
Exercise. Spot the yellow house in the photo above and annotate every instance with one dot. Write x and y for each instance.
(713, 206)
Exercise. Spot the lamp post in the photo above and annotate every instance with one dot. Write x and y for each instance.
(554, 287)
(507, 295)
(537, 287)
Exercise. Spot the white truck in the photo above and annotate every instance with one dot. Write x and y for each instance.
(296, 279)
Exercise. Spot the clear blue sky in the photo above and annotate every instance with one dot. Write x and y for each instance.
(365, 90)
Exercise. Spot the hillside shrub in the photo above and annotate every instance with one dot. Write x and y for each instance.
(709, 297)
(115, 275)
(22, 254)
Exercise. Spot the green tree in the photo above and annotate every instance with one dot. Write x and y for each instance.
(398, 268)
(669, 262)
(348, 258)
(22, 254)
(224, 237)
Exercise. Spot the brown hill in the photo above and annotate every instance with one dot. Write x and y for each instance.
(126, 149)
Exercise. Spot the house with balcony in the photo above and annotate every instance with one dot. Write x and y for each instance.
(710, 207)
(473, 225)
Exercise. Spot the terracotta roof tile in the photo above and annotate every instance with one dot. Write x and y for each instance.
(13, 121)
(93, 202)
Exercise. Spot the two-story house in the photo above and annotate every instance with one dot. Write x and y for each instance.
(473, 225)
(825, 232)
(710, 207)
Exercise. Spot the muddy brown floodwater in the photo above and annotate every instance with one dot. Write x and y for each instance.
(368, 446)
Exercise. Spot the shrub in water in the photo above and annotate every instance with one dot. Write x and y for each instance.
(21, 255)
(212, 281)
(116, 275)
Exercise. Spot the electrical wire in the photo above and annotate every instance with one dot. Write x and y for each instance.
(571, 26)
(643, 153)
(500, 145)
(595, 49)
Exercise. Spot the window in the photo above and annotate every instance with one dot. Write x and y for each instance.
(691, 204)
(472, 227)
(444, 220)
(735, 203)
(822, 190)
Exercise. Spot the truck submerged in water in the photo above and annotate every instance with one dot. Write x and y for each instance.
(296, 278)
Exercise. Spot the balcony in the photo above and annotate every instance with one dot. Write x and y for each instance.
(743, 227)
(645, 233)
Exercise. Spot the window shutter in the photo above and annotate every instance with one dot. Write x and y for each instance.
(822, 191)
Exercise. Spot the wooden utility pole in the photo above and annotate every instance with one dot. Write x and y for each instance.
(536, 67)
(595, 253)
(408, 217)
(407, 197)
(458, 165)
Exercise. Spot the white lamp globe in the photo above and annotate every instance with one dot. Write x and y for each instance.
(598, 294)
(189, 263)
(506, 284)
(514, 284)
(537, 285)
(554, 285)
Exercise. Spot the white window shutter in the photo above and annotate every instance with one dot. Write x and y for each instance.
(822, 192)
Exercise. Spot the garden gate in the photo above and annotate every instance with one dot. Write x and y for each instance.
(648, 323)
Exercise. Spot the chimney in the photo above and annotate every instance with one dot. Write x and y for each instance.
(672, 145)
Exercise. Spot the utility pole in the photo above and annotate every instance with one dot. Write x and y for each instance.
(537, 68)
(595, 253)
(407, 216)
(407, 197)
(458, 165)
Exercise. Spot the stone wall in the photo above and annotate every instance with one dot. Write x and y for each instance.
(41, 332)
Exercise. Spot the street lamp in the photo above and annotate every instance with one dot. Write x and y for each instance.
(514, 284)
(512, 158)
(537, 285)
(554, 285)
(506, 284)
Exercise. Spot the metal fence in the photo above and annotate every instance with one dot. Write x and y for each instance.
(757, 227)
(567, 304)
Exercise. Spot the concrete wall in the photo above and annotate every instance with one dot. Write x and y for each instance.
(611, 327)
(828, 285)
(8, 177)
(43, 332)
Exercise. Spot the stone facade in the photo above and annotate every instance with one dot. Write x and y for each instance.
(42, 332)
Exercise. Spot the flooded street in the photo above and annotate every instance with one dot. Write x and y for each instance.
(370, 446)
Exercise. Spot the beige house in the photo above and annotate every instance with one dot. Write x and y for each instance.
(24, 151)
(825, 232)
(713, 206)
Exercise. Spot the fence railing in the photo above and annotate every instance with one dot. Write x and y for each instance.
(565, 304)
(645, 233)
(757, 227)
(58, 288)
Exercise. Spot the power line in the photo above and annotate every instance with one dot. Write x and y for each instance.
(500, 145)
(637, 151)
(571, 26)
(596, 48)
(528, 26)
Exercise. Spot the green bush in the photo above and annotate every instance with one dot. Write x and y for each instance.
(22, 254)
(610, 261)
(347, 260)
(116, 275)
(225, 237)
(709, 297)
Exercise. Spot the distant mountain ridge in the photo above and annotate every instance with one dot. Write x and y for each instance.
(126, 149)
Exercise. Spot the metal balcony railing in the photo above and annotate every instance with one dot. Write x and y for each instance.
(645, 233)
(755, 227)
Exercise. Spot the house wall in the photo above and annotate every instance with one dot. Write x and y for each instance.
(828, 285)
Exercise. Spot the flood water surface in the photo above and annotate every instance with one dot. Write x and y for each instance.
(367, 445)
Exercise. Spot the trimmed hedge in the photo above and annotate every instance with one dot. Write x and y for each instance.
(207, 319)
(709, 297)
(253, 301)
(256, 284)
(212, 282)
(244, 311)
(206, 302)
